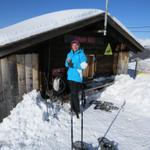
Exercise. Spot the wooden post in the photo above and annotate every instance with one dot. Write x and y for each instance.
(21, 75)
(35, 71)
(28, 72)
(6, 84)
(115, 61)
(123, 59)
(3, 108)
(136, 66)
(1, 87)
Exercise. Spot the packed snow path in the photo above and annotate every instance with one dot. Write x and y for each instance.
(26, 128)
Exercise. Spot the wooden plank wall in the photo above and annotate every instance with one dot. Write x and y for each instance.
(104, 64)
(19, 74)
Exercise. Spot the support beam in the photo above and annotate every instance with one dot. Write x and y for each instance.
(123, 60)
(1, 87)
(3, 109)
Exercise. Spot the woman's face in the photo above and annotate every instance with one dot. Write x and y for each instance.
(75, 46)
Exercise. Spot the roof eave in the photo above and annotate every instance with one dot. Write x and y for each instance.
(24, 43)
(21, 44)
(126, 34)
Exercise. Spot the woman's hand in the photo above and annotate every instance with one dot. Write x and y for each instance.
(70, 64)
(69, 60)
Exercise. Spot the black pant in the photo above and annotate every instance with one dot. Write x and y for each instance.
(75, 87)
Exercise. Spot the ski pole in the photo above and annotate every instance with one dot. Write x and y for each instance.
(82, 103)
(71, 129)
(124, 103)
(47, 119)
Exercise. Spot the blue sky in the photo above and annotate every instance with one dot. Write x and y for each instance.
(129, 12)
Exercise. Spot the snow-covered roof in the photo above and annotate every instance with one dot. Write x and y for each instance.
(44, 23)
(48, 22)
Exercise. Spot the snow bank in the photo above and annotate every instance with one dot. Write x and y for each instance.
(131, 130)
(26, 129)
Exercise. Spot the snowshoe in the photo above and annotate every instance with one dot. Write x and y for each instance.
(78, 145)
(103, 105)
(106, 144)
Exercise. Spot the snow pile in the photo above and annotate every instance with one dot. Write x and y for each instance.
(26, 128)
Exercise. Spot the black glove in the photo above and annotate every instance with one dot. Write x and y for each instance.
(70, 64)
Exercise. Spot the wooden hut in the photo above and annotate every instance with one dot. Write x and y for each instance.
(38, 46)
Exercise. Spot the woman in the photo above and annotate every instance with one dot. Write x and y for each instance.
(76, 62)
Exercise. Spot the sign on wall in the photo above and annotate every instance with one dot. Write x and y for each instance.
(108, 50)
(81, 39)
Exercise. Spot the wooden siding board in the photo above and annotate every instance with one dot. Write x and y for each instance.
(28, 72)
(21, 75)
(6, 84)
(12, 66)
(35, 70)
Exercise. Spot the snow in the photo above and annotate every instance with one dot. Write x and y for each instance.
(26, 128)
(44, 23)
(48, 22)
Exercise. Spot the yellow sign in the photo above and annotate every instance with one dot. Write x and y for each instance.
(108, 50)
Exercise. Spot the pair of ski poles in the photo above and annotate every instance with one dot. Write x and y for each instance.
(83, 102)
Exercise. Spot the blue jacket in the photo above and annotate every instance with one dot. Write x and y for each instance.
(79, 61)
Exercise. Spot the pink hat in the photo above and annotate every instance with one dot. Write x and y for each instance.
(75, 41)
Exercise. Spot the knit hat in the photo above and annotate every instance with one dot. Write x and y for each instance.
(75, 41)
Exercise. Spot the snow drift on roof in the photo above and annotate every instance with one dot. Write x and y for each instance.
(48, 22)
(44, 23)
